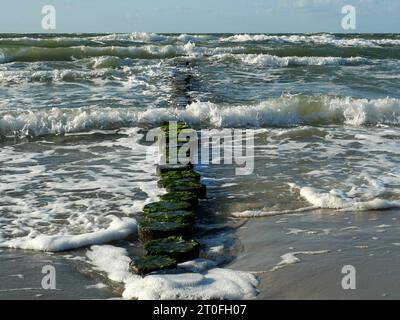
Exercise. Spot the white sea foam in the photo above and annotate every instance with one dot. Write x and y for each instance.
(296, 231)
(98, 74)
(383, 226)
(118, 229)
(352, 169)
(192, 38)
(97, 286)
(148, 37)
(268, 213)
(91, 196)
(198, 279)
(135, 36)
(291, 258)
(337, 199)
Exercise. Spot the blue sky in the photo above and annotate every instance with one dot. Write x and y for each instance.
(200, 15)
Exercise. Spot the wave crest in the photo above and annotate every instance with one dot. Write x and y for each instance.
(287, 61)
(320, 39)
(279, 112)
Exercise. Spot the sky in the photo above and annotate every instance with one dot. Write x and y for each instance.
(199, 16)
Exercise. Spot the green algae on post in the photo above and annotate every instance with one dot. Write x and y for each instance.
(173, 167)
(180, 196)
(169, 178)
(188, 185)
(147, 264)
(166, 183)
(165, 206)
(182, 174)
(175, 247)
(150, 230)
(174, 216)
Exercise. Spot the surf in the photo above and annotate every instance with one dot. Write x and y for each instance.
(285, 111)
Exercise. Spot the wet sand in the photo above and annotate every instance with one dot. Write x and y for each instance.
(369, 241)
(21, 277)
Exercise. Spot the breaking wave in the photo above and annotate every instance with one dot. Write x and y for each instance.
(288, 110)
(31, 54)
(276, 61)
(322, 39)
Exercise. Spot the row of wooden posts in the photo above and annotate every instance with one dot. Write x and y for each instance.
(167, 227)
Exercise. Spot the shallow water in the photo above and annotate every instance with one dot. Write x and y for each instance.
(324, 109)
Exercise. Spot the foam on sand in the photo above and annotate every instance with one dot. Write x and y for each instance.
(118, 229)
(291, 258)
(199, 279)
(267, 213)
